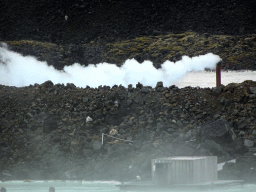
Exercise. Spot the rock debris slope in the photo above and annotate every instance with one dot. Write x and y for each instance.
(45, 131)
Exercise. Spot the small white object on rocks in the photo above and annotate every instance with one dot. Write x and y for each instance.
(113, 132)
(116, 103)
(88, 118)
(66, 17)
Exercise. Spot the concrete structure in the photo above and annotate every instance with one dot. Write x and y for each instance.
(184, 170)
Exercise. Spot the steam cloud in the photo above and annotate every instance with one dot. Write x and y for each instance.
(17, 70)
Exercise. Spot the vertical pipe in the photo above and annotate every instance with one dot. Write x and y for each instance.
(153, 169)
(218, 75)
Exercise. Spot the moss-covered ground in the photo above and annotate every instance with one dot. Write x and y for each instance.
(232, 49)
(237, 52)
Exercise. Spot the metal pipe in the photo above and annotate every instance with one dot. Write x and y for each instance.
(218, 75)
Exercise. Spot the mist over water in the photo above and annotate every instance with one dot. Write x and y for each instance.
(60, 186)
(17, 70)
(208, 79)
(87, 186)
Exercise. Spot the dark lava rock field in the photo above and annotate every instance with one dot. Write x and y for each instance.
(63, 32)
(55, 131)
(44, 20)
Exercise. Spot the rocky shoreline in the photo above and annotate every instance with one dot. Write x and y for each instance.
(55, 131)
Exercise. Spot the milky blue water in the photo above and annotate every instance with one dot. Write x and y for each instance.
(60, 186)
(208, 79)
(87, 186)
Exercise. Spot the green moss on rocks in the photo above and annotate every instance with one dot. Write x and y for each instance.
(32, 43)
(229, 48)
(232, 49)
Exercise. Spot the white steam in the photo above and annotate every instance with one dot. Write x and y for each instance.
(17, 70)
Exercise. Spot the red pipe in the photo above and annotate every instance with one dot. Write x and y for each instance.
(218, 75)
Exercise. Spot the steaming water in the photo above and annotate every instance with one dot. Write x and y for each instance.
(17, 70)
(85, 186)
(60, 186)
(208, 79)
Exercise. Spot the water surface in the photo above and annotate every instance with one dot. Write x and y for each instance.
(208, 79)
(90, 186)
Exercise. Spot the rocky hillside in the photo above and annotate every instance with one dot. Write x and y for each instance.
(63, 32)
(81, 21)
(237, 52)
(55, 132)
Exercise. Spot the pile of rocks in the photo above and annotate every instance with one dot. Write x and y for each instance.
(55, 131)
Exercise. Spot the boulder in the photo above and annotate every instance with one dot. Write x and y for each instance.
(214, 148)
(49, 125)
(34, 125)
(29, 115)
(253, 89)
(228, 166)
(216, 91)
(218, 131)
(159, 84)
(239, 147)
(85, 99)
(145, 90)
(47, 84)
(248, 143)
(139, 85)
(40, 117)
